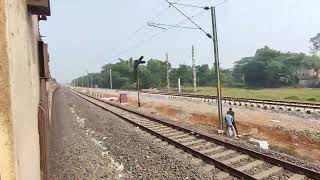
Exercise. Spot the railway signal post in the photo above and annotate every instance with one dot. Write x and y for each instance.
(136, 75)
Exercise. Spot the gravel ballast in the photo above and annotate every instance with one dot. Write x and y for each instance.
(89, 143)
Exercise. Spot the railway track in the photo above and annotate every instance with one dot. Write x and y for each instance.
(234, 161)
(260, 103)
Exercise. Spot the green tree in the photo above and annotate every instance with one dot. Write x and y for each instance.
(205, 76)
(315, 47)
(157, 73)
(267, 68)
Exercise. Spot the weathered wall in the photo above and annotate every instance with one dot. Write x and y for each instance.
(308, 83)
(7, 158)
(21, 85)
(51, 88)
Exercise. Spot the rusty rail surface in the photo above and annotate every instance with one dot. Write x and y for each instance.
(165, 121)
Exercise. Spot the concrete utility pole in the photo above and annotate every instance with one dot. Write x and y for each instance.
(110, 78)
(179, 86)
(168, 71)
(82, 81)
(88, 81)
(217, 63)
(243, 78)
(194, 71)
(91, 82)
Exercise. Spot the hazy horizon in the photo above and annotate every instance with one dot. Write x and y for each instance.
(85, 36)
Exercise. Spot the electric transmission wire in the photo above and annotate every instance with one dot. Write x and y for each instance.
(130, 36)
(187, 5)
(140, 28)
(170, 3)
(169, 26)
(158, 25)
(145, 24)
(221, 3)
(154, 35)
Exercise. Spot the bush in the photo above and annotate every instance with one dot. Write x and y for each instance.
(311, 99)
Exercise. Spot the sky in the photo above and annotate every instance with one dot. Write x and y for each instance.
(84, 35)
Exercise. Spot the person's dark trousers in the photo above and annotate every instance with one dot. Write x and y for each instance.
(235, 127)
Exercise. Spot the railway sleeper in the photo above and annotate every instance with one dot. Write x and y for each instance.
(145, 124)
(167, 131)
(176, 133)
(250, 165)
(222, 154)
(235, 159)
(149, 123)
(194, 142)
(178, 136)
(160, 128)
(154, 126)
(188, 138)
(210, 150)
(201, 146)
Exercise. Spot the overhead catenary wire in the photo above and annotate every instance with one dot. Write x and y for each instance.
(170, 3)
(172, 26)
(140, 28)
(196, 6)
(158, 25)
(221, 3)
(188, 5)
(131, 35)
(154, 35)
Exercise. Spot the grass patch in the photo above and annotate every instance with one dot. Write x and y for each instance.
(285, 94)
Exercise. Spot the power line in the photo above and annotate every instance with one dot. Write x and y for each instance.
(220, 3)
(155, 25)
(158, 25)
(145, 25)
(189, 18)
(153, 18)
(130, 36)
(188, 5)
(155, 35)
(195, 6)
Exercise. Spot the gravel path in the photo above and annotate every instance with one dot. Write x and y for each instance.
(89, 143)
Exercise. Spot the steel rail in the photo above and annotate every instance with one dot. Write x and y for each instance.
(162, 120)
(248, 100)
(207, 159)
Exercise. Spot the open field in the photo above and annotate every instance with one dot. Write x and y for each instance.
(285, 94)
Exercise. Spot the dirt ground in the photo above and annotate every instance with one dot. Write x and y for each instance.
(286, 133)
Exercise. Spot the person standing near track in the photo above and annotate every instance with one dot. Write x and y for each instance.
(234, 122)
(231, 132)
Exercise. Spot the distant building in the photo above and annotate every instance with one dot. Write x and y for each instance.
(309, 77)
